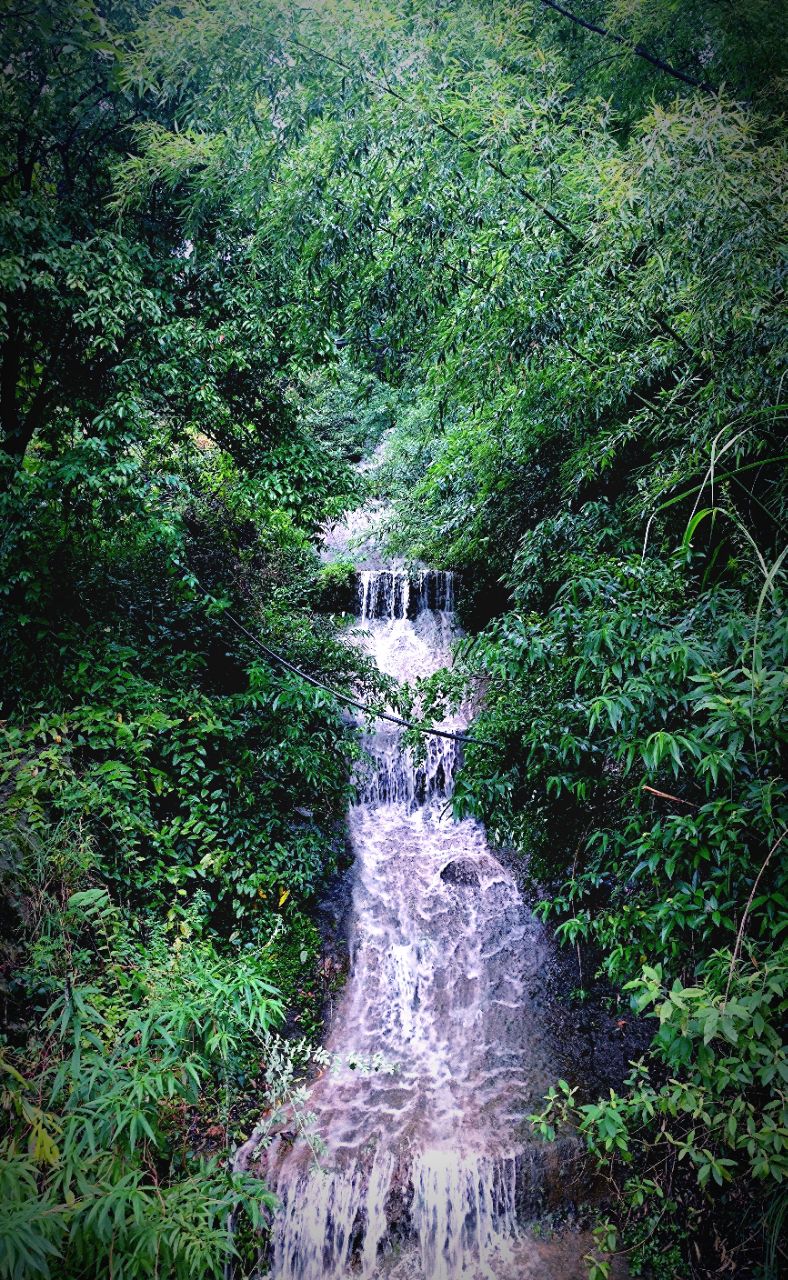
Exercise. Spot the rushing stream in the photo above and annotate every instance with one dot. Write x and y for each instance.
(425, 1173)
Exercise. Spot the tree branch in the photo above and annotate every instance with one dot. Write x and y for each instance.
(635, 48)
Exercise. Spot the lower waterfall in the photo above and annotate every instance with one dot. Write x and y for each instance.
(424, 1170)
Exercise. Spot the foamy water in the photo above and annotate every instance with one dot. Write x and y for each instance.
(425, 1170)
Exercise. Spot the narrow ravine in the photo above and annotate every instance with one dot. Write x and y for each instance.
(426, 1172)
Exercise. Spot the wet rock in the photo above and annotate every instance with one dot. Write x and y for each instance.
(462, 872)
(399, 1205)
(551, 1177)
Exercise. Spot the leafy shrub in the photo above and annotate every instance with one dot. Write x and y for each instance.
(137, 1024)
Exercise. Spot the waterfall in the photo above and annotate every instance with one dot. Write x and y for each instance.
(421, 1171)
(396, 593)
(395, 776)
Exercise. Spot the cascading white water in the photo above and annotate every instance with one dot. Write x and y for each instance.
(395, 776)
(396, 593)
(422, 1168)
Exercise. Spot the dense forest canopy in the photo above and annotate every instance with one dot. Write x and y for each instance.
(538, 246)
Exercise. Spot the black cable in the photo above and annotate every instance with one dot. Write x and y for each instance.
(342, 697)
(634, 48)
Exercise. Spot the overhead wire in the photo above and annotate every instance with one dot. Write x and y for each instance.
(632, 47)
(437, 122)
(377, 712)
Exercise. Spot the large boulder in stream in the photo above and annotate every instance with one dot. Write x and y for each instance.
(461, 872)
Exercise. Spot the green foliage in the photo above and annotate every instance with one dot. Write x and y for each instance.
(138, 1025)
(153, 723)
(206, 787)
(240, 244)
(348, 408)
(645, 727)
(295, 966)
(171, 800)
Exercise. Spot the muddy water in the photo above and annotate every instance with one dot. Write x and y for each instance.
(427, 1172)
